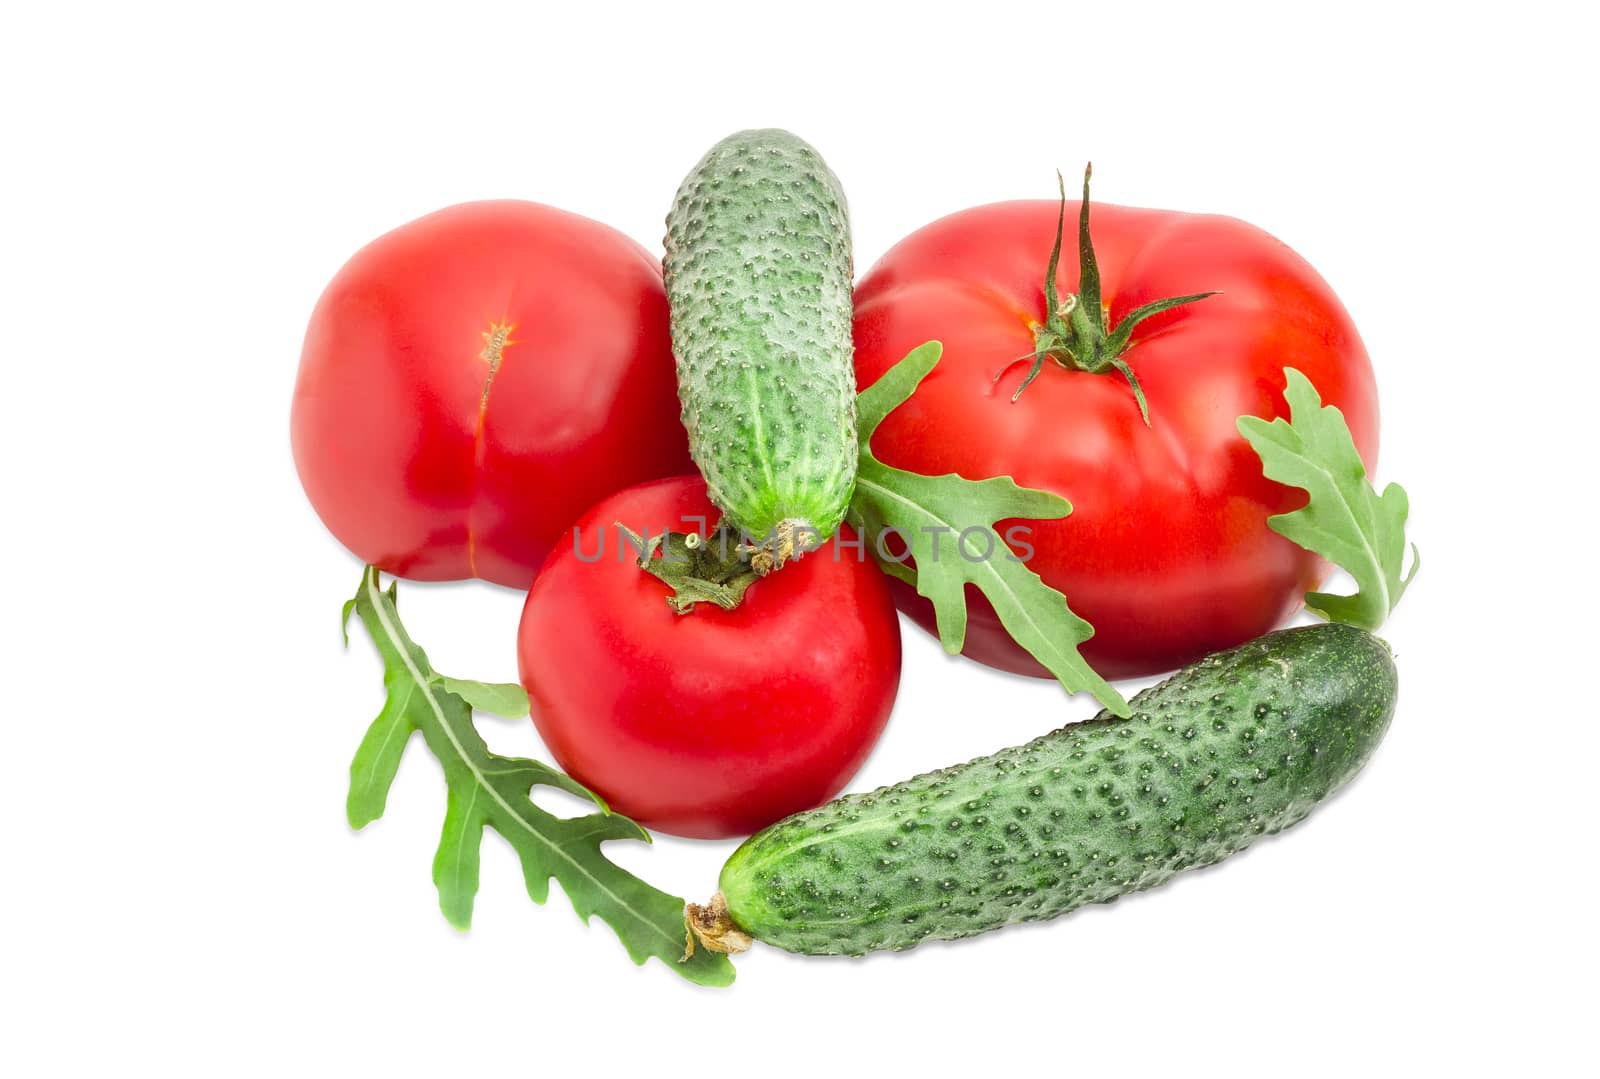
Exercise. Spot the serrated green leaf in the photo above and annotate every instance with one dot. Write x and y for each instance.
(947, 522)
(1345, 520)
(488, 790)
(523, 773)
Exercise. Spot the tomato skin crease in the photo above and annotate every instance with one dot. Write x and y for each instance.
(472, 381)
(1167, 552)
(714, 723)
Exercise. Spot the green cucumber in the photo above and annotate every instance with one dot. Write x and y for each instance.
(1239, 745)
(758, 278)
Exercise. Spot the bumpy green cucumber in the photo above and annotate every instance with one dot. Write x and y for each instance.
(758, 282)
(1240, 745)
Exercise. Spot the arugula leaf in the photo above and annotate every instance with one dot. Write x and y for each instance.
(487, 789)
(1346, 521)
(947, 524)
(505, 699)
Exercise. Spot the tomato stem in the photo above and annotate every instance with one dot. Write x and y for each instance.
(1075, 334)
(710, 569)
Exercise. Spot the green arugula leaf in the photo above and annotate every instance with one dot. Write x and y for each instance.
(487, 789)
(1346, 521)
(947, 524)
(497, 698)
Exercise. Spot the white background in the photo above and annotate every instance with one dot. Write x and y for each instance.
(181, 894)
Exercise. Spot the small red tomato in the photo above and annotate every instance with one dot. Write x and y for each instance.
(474, 380)
(712, 723)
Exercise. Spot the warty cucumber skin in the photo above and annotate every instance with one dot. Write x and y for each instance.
(758, 275)
(1237, 746)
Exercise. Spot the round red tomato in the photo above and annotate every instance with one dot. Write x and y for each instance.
(712, 723)
(474, 380)
(1167, 550)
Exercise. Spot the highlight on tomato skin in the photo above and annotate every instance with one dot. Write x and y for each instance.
(713, 723)
(1167, 551)
(473, 380)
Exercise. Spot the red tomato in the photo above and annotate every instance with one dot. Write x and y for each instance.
(712, 723)
(474, 380)
(1167, 551)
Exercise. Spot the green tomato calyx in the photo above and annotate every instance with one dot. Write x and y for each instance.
(699, 569)
(1075, 333)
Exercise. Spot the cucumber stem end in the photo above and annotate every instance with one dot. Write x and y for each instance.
(712, 926)
(791, 538)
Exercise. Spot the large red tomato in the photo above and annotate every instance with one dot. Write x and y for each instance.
(1167, 551)
(474, 380)
(712, 723)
